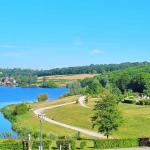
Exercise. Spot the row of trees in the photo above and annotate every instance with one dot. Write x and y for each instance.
(100, 68)
(91, 69)
(28, 77)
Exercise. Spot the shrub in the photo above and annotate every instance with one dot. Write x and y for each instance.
(82, 144)
(46, 144)
(77, 136)
(140, 103)
(65, 144)
(129, 101)
(115, 143)
(49, 84)
(11, 145)
(143, 102)
(42, 97)
(21, 109)
(66, 95)
(146, 102)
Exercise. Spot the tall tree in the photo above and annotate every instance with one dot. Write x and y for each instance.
(107, 117)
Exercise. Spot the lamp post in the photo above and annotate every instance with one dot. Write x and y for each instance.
(41, 117)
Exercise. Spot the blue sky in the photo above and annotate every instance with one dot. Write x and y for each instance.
(45, 34)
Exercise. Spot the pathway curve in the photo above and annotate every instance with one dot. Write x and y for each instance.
(82, 102)
(40, 111)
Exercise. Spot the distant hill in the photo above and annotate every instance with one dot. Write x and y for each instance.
(91, 69)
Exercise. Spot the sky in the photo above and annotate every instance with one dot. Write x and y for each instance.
(45, 34)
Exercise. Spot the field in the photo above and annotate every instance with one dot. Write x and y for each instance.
(63, 80)
(30, 121)
(136, 119)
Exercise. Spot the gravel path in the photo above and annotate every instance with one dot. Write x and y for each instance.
(81, 100)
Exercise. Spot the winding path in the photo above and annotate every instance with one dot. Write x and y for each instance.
(85, 131)
(82, 102)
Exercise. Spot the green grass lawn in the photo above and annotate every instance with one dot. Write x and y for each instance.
(136, 119)
(72, 114)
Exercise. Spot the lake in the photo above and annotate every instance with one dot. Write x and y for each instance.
(12, 95)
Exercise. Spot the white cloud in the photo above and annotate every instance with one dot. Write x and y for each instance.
(96, 52)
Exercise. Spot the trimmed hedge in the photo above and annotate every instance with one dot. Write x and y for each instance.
(116, 143)
(143, 102)
(46, 144)
(129, 101)
(11, 145)
(65, 144)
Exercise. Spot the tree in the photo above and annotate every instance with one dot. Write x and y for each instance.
(48, 84)
(42, 97)
(107, 117)
(74, 87)
(20, 109)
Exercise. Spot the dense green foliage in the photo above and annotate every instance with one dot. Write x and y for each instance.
(23, 77)
(82, 144)
(116, 143)
(48, 84)
(11, 145)
(75, 87)
(125, 79)
(66, 144)
(134, 79)
(88, 69)
(74, 144)
(20, 109)
(42, 97)
(107, 117)
(11, 112)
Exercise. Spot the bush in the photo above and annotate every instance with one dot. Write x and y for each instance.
(49, 84)
(21, 109)
(140, 103)
(77, 136)
(11, 145)
(66, 95)
(146, 102)
(65, 144)
(82, 144)
(42, 97)
(129, 101)
(115, 143)
(46, 144)
(143, 102)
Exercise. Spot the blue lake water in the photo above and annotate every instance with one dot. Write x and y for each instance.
(12, 95)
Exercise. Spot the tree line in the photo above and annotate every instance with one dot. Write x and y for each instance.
(28, 77)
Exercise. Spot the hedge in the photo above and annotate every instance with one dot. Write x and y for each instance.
(11, 145)
(143, 102)
(129, 101)
(116, 143)
(46, 144)
(65, 144)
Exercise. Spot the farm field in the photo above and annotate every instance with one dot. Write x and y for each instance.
(63, 80)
